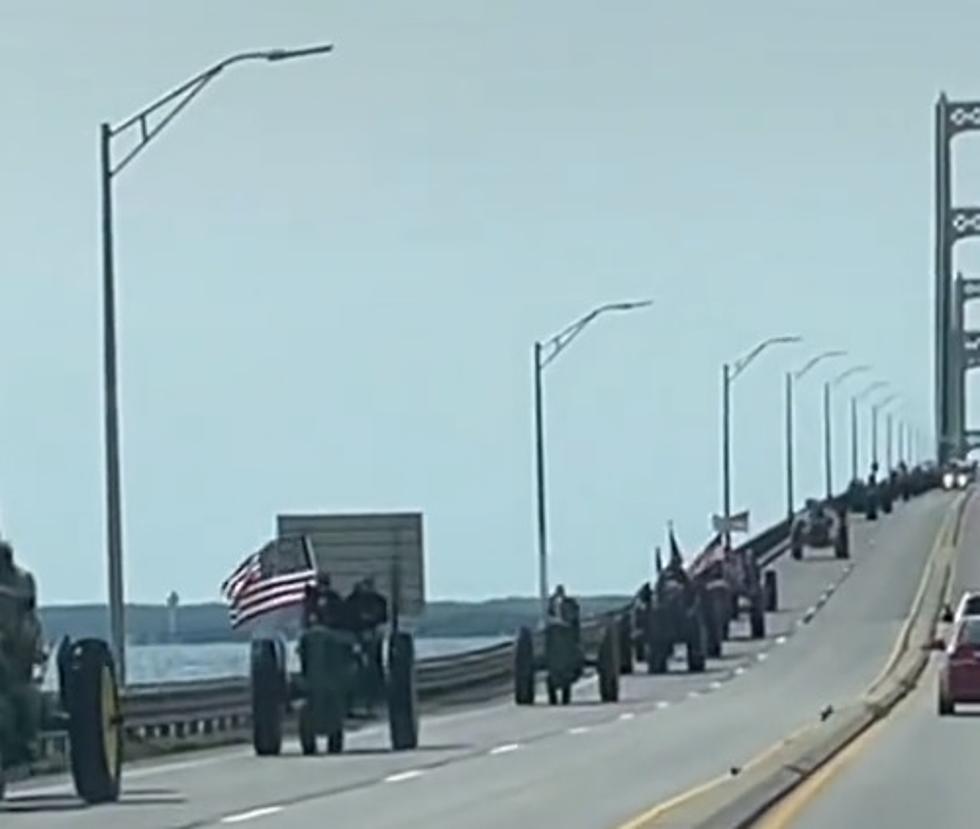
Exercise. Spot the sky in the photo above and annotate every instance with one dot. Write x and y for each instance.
(331, 271)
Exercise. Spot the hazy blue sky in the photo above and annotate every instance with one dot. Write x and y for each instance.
(331, 272)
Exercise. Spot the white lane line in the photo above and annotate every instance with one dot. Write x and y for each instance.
(762, 657)
(578, 729)
(800, 622)
(628, 715)
(693, 694)
(241, 817)
(505, 749)
(662, 704)
(832, 587)
(401, 776)
(780, 640)
(714, 686)
(740, 670)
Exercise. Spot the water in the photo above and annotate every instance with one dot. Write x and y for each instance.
(174, 663)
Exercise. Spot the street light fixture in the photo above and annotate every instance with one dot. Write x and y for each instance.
(790, 378)
(545, 353)
(177, 99)
(729, 373)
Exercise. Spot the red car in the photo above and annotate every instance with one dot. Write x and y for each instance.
(959, 674)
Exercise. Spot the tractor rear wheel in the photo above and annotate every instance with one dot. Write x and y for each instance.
(95, 722)
(524, 668)
(609, 664)
(268, 704)
(403, 715)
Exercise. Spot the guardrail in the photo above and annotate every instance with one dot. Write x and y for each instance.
(178, 710)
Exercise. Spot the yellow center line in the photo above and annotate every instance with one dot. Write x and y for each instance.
(689, 794)
(788, 810)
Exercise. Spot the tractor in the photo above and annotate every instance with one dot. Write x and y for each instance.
(674, 615)
(820, 525)
(565, 658)
(336, 669)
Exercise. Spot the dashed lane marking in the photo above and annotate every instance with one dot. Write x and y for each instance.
(627, 715)
(402, 776)
(505, 749)
(762, 657)
(780, 640)
(252, 814)
(662, 704)
(714, 686)
(740, 670)
(578, 729)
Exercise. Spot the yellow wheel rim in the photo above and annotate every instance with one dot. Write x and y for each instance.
(110, 721)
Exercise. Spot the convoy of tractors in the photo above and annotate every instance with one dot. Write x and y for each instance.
(687, 606)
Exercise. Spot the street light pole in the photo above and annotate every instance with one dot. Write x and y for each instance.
(854, 438)
(789, 445)
(177, 99)
(790, 378)
(729, 374)
(113, 494)
(554, 347)
(888, 441)
(827, 451)
(539, 465)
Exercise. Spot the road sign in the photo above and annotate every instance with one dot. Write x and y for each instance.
(386, 546)
(737, 523)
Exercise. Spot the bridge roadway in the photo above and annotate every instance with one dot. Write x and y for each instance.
(587, 765)
(916, 768)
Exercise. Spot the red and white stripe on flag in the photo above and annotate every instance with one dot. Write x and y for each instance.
(252, 590)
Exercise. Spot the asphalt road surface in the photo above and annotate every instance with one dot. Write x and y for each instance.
(916, 769)
(587, 765)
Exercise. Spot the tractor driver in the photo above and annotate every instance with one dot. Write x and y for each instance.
(20, 643)
(20, 629)
(322, 605)
(367, 609)
(564, 608)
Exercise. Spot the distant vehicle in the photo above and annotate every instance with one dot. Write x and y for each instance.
(958, 475)
(820, 525)
(959, 674)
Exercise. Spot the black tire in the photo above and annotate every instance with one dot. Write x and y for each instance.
(796, 550)
(770, 587)
(609, 663)
(658, 647)
(946, 706)
(695, 647)
(524, 668)
(842, 547)
(566, 693)
(757, 618)
(307, 734)
(3, 780)
(95, 722)
(335, 741)
(552, 693)
(268, 698)
(625, 632)
(403, 718)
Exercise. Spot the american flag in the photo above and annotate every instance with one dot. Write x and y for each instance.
(273, 578)
(712, 553)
